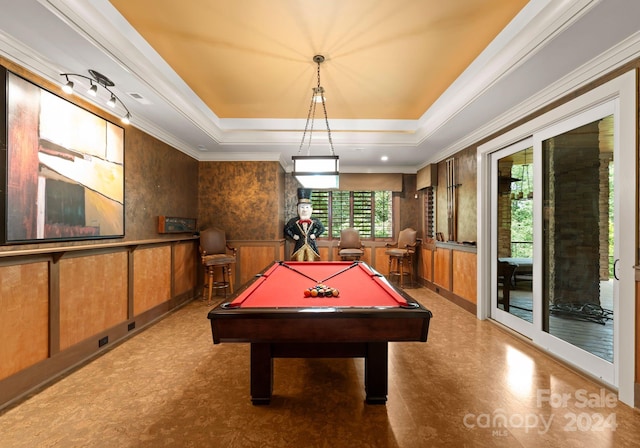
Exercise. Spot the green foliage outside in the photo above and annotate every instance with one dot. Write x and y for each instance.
(522, 216)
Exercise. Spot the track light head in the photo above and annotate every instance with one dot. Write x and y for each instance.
(112, 101)
(93, 90)
(68, 87)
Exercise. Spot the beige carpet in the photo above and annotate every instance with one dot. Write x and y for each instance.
(170, 386)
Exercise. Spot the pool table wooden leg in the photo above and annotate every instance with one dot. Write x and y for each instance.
(261, 373)
(376, 372)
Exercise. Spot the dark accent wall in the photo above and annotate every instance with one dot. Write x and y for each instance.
(246, 199)
(410, 206)
(158, 181)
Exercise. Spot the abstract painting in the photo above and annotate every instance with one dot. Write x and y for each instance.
(63, 167)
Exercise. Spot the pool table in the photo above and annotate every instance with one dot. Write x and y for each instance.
(273, 314)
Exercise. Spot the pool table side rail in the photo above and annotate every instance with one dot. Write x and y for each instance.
(307, 328)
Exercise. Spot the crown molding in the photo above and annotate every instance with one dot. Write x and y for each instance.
(620, 54)
(537, 23)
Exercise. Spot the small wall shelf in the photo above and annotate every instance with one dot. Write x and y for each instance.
(170, 224)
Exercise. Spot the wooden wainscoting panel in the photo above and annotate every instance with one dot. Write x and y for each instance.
(324, 253)
(381, 263)
(185, 262)
(24, 316)
(151, 277)
(93, 295)
(253, 259)
(465, 275)
(442, 268)
(366, 256)
(426, 261)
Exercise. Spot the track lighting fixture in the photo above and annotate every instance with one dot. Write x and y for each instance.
(96, 80)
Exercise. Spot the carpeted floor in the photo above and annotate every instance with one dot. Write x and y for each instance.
(472, 384)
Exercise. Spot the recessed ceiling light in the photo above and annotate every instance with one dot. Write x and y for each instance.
(384, 158)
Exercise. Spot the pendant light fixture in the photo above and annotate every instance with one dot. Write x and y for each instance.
(320, 171)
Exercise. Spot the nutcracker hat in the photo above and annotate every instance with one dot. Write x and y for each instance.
(304, 196)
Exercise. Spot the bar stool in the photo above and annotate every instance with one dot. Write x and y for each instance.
(215, 253)
(401, 254)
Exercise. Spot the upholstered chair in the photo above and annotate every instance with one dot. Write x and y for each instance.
(350, 247)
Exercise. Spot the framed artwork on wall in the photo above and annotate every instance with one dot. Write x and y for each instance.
(63, 168)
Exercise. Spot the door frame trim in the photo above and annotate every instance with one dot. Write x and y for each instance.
(622, 88)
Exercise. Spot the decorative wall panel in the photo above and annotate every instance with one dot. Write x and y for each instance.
(465, 275)
(253, 259)
(24, 316)
(185, 259)
(426, 261)
(442, 268)
(152, 278)
(93, 295)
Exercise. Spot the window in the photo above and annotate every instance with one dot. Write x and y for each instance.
(368, 211)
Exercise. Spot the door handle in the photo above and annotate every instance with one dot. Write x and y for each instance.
(615, 264)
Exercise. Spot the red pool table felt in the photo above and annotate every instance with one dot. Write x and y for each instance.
(283, 285)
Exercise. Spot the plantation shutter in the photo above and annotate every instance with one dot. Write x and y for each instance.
(362, 213)
(320, 204)
(340, 208)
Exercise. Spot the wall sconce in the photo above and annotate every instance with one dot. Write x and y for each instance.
(316, 172)
(96, 80)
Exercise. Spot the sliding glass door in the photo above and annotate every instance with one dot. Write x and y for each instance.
(554, 238)
(513, 169)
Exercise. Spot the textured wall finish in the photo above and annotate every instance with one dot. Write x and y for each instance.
(409, 205)
(158, 181)
(242, 198)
